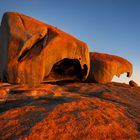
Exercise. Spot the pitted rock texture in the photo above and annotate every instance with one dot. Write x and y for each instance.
(69, 111)
(34, 52)
(104, 66)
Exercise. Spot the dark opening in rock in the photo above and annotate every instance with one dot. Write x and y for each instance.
(68, 68)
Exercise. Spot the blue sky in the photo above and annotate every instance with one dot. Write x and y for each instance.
(109, 26)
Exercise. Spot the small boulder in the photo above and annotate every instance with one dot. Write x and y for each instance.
(133, 83)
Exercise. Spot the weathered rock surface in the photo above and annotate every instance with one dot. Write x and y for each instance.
(104, 66)
(32, 52)
(69, 111)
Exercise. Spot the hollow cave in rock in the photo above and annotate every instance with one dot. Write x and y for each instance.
(69, 68)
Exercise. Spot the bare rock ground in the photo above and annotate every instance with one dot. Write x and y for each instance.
(69, 111)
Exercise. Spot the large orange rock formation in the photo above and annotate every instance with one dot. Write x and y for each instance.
(104, 66)
(32, 52)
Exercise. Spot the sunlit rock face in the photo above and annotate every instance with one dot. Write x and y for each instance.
(104, 66)
(33, 52)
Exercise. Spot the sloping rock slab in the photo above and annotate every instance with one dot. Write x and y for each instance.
(69, 111)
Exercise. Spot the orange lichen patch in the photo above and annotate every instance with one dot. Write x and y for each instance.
(100, 123)
(19, 121)
(33, 52)
(104, 66)
(81, 111)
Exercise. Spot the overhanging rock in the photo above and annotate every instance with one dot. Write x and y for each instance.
(34, 52)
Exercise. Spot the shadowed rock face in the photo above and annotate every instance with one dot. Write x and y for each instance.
(32, 52)
(104, 66)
